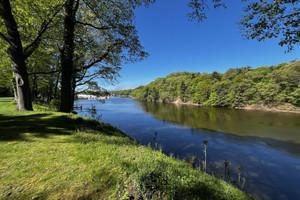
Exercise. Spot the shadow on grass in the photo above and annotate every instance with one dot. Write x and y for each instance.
(6, 100)
(43, 125)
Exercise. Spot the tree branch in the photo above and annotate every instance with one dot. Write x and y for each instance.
(75, 6)
(51, 72)
(81, 78)
(85, 81)
(93, 26)
(84, 77)
(94, 62)
(28, 50)
(5, 38)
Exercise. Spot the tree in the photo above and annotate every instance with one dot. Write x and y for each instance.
(182, 91)
(154, 94)
(67, 55)
(17, 53)
(112, 23)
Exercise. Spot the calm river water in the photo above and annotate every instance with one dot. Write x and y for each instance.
(266, 144)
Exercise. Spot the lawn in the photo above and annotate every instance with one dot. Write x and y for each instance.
(52, 155)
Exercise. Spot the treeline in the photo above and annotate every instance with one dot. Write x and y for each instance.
(275, 86)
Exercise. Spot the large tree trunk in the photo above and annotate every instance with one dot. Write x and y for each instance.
(15, 52)
(23, 88)
(67, 56)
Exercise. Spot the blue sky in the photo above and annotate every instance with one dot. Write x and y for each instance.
(177, 44)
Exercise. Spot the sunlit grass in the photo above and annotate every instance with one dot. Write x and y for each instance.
(50, 155)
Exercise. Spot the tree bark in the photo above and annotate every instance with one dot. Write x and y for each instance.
(71, 6)
(15, 90)
(15, 52)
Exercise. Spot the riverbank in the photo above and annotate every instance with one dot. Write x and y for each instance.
(248, 107)
(50, 155)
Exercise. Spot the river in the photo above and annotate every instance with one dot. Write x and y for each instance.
(265, 144)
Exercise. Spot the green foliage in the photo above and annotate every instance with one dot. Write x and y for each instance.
(263, 19)
(269, 19)
(54, 104)
(122, 92)
(5, 67)
(267, 86)
(296, 96)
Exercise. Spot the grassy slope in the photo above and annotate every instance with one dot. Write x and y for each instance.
(50, 155)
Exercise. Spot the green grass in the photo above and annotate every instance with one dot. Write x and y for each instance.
(51, 155)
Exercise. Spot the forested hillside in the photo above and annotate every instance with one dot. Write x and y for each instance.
(275, 86)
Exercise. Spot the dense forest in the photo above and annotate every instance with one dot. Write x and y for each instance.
(275, 86)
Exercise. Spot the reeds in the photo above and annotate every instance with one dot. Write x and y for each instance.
(205, 142)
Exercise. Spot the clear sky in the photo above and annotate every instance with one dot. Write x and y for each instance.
(177, 44)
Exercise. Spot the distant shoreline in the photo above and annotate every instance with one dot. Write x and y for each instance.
(267, 109)
(248, 107)
(90, 97)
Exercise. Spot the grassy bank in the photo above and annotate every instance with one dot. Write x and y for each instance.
(50, 155)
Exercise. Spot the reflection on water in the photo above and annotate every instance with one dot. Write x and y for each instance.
(279, 126)
(266, 144)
